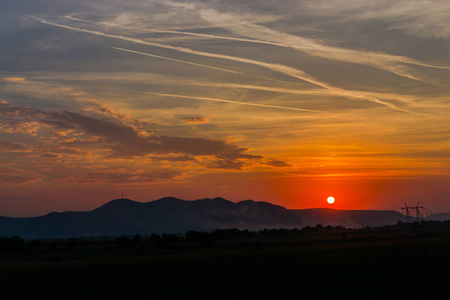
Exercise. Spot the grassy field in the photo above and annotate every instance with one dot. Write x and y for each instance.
(395, 262)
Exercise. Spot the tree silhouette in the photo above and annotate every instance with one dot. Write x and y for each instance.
(137, 239)
(155, 238)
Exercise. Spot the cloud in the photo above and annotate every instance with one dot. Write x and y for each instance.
(174, 157)
(180, 61)
(144, 78)
(14, 79)
(17, 176)
(232, 102)
(416, 17)
(292, 72)
(194, 120)
(121, 139)
(263, 35)
(387, 62)
(14, 147)
(226, 164)
(126, 176)
(16, 118)
(277, 163)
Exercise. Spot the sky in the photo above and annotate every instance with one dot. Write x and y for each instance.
(287, 102)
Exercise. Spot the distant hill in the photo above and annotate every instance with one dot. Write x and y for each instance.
(172, 215)
(348, 218)
(438, 217)
(166, 215)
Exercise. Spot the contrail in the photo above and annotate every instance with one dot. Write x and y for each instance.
(191, 97)
(298, 74)
(201, 65)
(242, 27)
(210, 36)
(397, 97)
(332, 90)
(292, 72)
(232, 101)
(180, 61)
(296, 42)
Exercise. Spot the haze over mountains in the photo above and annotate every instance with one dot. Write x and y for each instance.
(172, 215)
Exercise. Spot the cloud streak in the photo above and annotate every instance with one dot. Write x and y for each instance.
(292, 72)
(232, 102)
(415, 17)
(382, 61)
(268, 36)
(299, 75)
(144, 77)
(180, 61)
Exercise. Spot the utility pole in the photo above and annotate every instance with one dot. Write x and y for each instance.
(419, 216)
(409, 217)
(408, 214)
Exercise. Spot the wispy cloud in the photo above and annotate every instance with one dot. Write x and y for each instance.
(361, 95)
(240, 26)
(387, 62)
(232, 102)
(193, 120)
(295, 73)
(264, 35)
(16, 175)
(14, 147)
(124, 176)
(416, 17)
(142, 78)
(180, 61)
(14, 79)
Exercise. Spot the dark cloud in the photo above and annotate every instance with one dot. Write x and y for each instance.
(194, 120)
(174, 158)
(12, 175)
(18, 112)
(70, 151)
(13, 147)
(16, 179)
(227, 164)
(125, 140)
(202, 146)
(50, 155)
(277, 163)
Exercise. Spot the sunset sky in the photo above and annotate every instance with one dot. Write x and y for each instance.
(287, 102)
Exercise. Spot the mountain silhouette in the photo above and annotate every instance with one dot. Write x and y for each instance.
(173, 215)
(348, 218)
(438, 217)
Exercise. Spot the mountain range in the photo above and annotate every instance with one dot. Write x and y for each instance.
(172, 215)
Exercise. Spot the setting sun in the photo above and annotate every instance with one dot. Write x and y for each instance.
(330, 200)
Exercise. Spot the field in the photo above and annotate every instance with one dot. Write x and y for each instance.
(403, 261)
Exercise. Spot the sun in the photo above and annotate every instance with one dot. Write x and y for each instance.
(330, 200)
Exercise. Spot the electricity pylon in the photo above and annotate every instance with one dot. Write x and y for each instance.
(419, 215)
(409, 217)
(408, 214)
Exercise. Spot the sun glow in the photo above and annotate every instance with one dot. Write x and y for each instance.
(330, 200)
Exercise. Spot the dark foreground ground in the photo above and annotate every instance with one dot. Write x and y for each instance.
(390, 263)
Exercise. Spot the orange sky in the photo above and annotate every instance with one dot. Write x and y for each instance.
(287, 104)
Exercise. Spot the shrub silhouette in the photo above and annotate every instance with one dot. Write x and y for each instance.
(12, 244)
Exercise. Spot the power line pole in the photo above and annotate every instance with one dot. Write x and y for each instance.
(409, 217)
(419, 215)
(408, 214)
